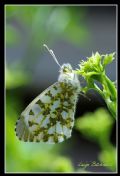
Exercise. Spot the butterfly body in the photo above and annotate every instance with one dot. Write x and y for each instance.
(49, 117)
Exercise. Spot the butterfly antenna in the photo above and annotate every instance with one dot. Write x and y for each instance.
(52, 54)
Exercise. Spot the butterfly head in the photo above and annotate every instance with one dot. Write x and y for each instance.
(66, 72)
(67, 75)
(66, 69)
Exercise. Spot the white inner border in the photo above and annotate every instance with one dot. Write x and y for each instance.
(5, 78)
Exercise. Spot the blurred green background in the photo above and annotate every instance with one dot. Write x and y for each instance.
(72, 32)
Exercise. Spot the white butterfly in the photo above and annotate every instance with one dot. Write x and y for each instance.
(49, 117)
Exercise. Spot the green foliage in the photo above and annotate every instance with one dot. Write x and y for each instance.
(62, 164)
(45, 23)
(15, 78)
(32, 26)
(108, 157)
(12, 35)
(94, 70)
(108, 59)
(97, 127)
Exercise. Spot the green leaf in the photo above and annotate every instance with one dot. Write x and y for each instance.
(108, 158)
(94, 70)
(62, 164)
(13, 37)
(95, 125)
(16, 78)
(108, 58)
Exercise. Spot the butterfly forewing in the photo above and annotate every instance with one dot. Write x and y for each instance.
(50, 116)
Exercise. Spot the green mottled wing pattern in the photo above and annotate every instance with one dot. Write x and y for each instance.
(50, 116)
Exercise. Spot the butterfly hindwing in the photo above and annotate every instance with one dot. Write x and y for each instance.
(50, 116)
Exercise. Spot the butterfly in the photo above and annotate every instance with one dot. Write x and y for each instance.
(49, 118)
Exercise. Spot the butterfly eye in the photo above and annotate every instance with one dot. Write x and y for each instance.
(67, 70)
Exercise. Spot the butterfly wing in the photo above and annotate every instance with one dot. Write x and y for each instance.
(50, 116)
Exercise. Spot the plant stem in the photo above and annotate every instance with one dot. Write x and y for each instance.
(109, 94)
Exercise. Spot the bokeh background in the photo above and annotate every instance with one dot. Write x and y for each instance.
(73, 33)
